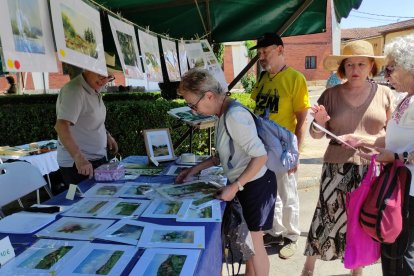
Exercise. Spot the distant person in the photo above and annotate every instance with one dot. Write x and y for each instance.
(283, 92)
(12, 85)
(333, 80)
(359, 107)
(82, 136)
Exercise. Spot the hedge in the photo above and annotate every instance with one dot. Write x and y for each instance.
(29, 118)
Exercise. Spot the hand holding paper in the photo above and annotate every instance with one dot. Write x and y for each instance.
(333, 135)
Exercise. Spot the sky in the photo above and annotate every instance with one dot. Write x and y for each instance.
(381, 12)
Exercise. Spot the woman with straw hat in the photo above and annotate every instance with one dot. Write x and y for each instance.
(357, 106)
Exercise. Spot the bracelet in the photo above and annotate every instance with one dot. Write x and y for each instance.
(396, 156)
(405, 155)
(315, 129)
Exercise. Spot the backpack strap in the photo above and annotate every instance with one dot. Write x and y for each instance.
(261, 75)
(231, 144)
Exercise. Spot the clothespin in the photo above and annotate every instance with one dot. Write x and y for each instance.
(147, 29)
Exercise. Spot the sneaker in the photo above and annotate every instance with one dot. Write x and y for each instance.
(288, 250)
(272, 240)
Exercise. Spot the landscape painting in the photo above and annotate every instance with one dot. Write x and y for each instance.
(195, 190)
(208, 213)
(26, 26)
(164, 236)
(99, 259)
(124, 231)
(158, 144)
(160, 208)
(43, 257)
(150, 50)
(125, 208)
(88, 207)
(171, 59)
(138, 190)
(127, 48)
(166, 261)
(79, 32)
(103, 190)
(185, 114)
(75, 228)
(176, 169)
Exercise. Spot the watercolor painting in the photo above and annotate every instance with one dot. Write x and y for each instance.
(166, 261)
(207, 213)
(99, 261)
(138, 190)
(103, 190)
(172, 236)
(124, 231)
(185, 114)
(171, 59)
(26, 26)
(123, 208)
(87, 207)
(158, 144)
(150, 50)
(196, 190)
(79, 32)
(160, 208)
(127, 48)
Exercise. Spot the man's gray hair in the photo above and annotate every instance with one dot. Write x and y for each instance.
(199, 81)
(401, 50)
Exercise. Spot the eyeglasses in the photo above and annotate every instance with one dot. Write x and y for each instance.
(194, 106)
(109, 78)
(389, 70)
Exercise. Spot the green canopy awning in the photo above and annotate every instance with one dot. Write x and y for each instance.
(226, 20)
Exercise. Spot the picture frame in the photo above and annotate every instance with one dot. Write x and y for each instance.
(164, 236)
(99, 258)
(158, 144)
(44, 257)
(154, 260)
(151, 55)
(75, 228)
(161, 208)
(124, 231)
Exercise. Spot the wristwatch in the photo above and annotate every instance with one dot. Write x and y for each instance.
(241, 188)
(405, 156)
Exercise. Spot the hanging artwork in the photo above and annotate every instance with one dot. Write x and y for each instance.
(151, 55)
(127, 47)
(182, 57)
(99, 259)
(162, 261)
(43, 258)
(26, 29)
(171, 59)
(213, 65)
(78, 35)
(195, 55)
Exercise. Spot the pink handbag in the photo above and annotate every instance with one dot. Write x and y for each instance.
(360, 248)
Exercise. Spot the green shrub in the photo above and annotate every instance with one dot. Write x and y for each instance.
(127, 116)
(248, 82)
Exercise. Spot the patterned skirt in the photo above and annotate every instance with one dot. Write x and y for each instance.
(326, 237)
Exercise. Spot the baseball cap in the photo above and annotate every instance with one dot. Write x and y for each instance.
(268, 39)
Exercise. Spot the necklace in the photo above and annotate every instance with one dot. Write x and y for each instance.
(281, 69)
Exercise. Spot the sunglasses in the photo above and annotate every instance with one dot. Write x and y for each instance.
(194, 106)
(389, 70)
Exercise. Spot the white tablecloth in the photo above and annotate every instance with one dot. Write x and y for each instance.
(46, 162)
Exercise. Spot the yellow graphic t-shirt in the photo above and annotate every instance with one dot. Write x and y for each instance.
(283, 94)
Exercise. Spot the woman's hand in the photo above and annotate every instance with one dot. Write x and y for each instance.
(227, 193)
(185, 175)
(352, 140)
(320, 115)
(383, 155)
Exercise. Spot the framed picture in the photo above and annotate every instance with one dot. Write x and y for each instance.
(78, 35)
(161, 261)
(99, 259)
(75, 228)
(160, 208)
(158, 144)
(124, 231)
(164, 236)
(27, 36)
(43, 257)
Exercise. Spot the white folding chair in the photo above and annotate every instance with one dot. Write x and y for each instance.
(18, 179)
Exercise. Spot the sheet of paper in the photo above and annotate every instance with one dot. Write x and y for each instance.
(24, 222)
(333, 135)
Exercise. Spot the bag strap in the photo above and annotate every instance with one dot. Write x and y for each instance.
(231, 144)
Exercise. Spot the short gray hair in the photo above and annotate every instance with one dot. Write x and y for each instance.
(199, 81)
(401, 50)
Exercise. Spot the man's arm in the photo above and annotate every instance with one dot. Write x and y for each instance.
(301, 126)
(62, 128)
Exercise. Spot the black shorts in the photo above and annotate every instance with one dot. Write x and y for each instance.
(258, 202)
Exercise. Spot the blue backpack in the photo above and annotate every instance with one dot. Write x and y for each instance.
(281, 144)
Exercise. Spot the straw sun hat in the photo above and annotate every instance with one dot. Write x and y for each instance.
(358, 48)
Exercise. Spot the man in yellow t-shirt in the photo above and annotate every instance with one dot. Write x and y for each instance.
(283, 91)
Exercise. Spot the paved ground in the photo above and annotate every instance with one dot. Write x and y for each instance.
(308, 185)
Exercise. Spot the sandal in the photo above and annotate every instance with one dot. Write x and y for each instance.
(306, 272)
